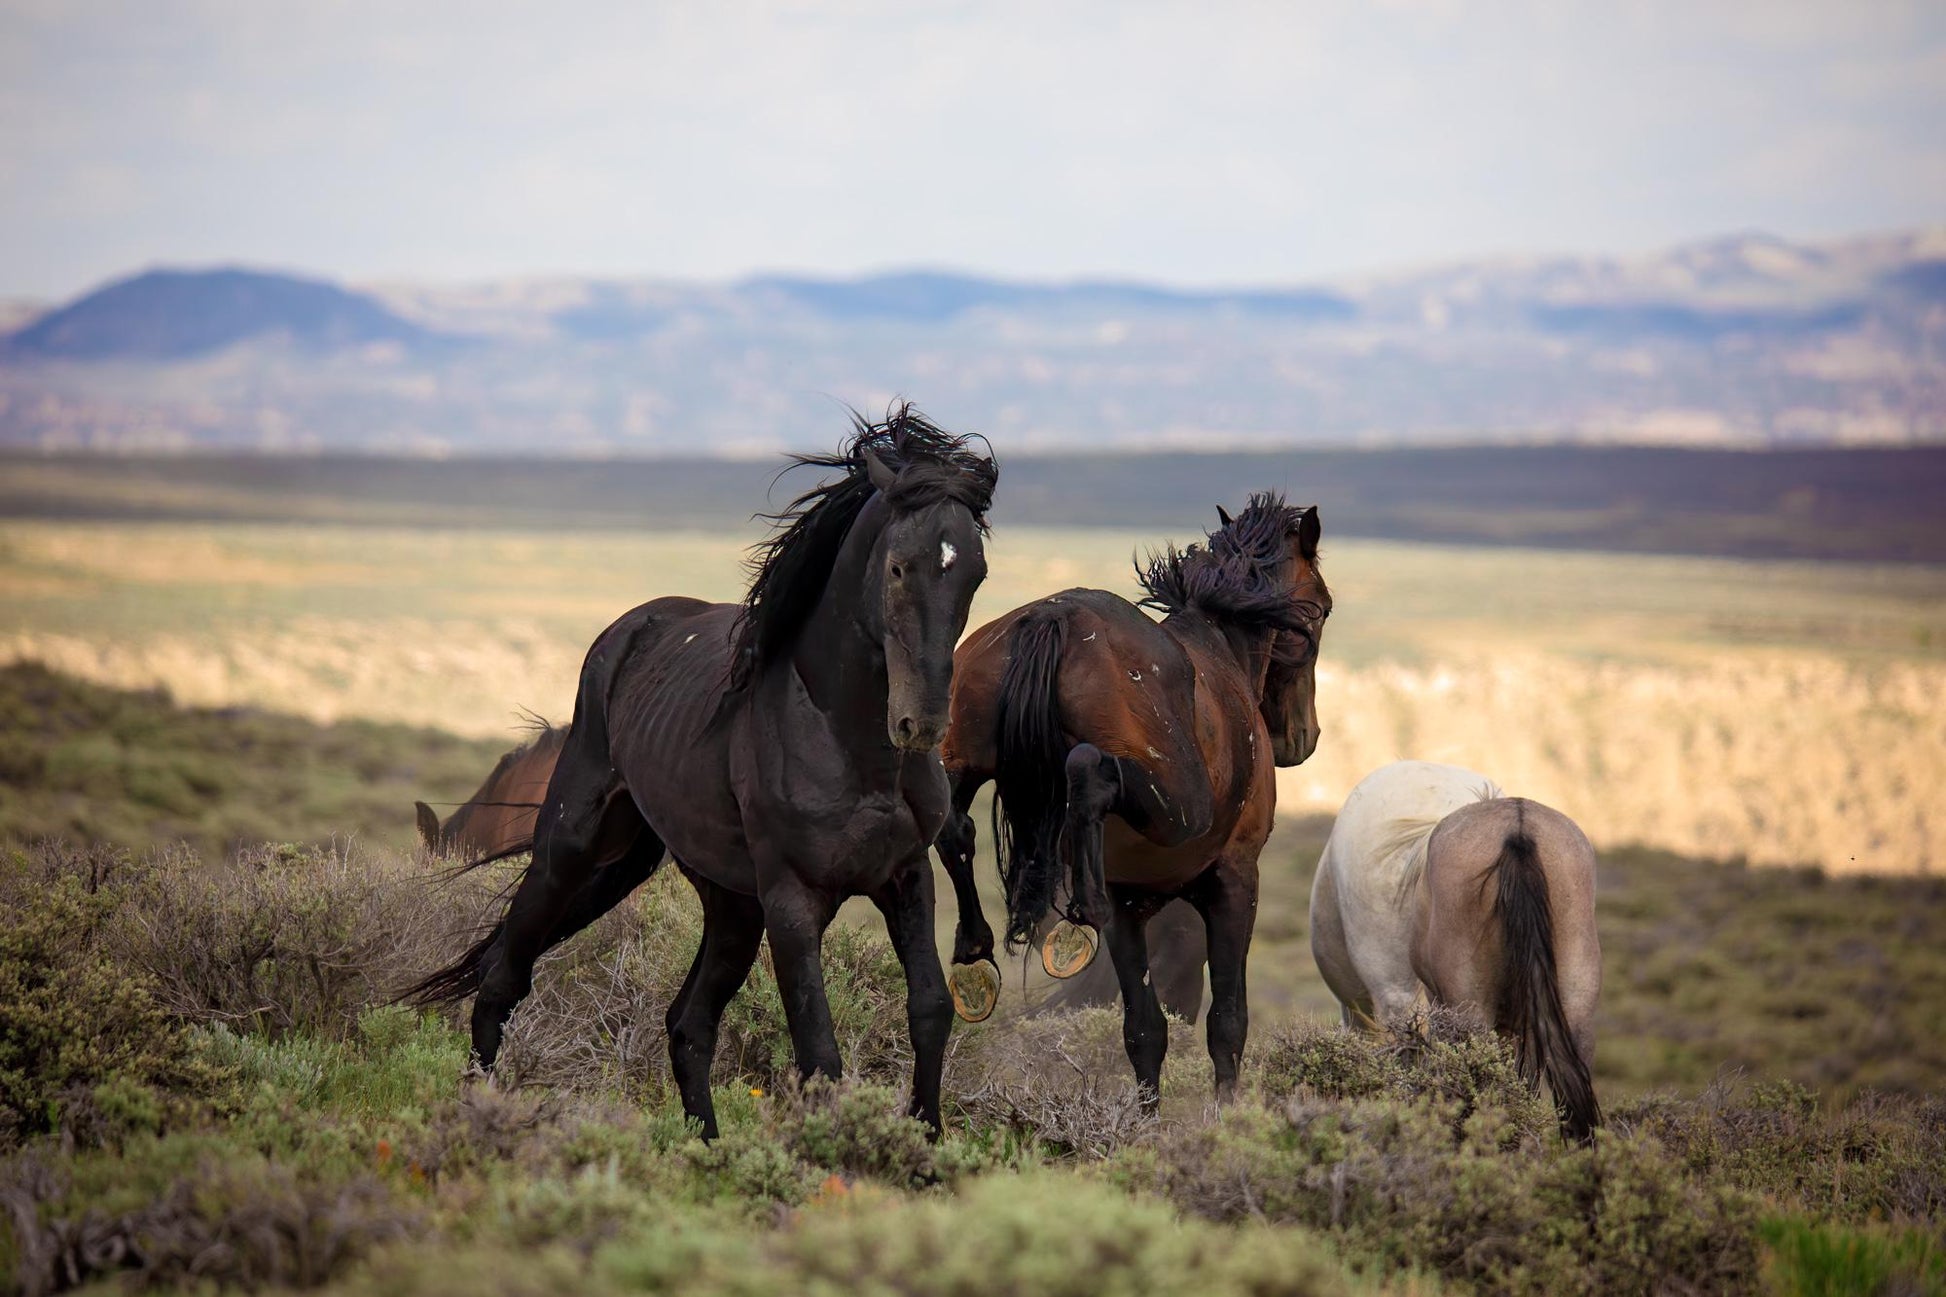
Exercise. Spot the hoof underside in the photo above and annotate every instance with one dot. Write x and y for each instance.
(1069, 948)
(975, 988)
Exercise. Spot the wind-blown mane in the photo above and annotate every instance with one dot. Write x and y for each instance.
(789, 570)
(1233, 578)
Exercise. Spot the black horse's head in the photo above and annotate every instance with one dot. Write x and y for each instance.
(931, 557)
(919, 496)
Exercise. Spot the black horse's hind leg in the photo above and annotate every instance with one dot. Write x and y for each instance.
(733, 929)
(1227, 901)
(585, 811)
(975, 982)
(795, 917)
(608, 888)
(907, 904)
(1145, 1031)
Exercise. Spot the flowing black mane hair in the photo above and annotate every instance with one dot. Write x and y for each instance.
(789, 570)
(1234, 577)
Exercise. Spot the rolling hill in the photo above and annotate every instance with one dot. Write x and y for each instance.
(1741, 341)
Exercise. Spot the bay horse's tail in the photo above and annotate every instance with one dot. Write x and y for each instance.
(1030, 787)
(1530, 997)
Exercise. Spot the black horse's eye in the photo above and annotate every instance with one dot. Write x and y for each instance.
(898, 572)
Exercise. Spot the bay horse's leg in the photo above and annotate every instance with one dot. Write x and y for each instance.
(1227, 899)
(733, 929)
(975, 979)
(568, 839)
(795, 917)
(1094, 784)
(1145, 1030)
(906, 901)
(1166, 812)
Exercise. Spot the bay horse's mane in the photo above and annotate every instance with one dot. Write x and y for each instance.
(1234, 577)
(540, 731)
(788, 571)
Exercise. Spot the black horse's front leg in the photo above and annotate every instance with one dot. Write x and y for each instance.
(733, 929)
(907, 904)
(975, 979)
(795, 917)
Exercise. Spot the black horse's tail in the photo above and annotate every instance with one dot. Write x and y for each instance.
(1030, 788)
(1530, 999)
(461, 978)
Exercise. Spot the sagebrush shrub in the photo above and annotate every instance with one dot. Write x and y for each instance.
(1414, 1183)
(84, 1045)
(285, 938)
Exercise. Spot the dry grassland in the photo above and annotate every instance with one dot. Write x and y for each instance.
(1781, 712)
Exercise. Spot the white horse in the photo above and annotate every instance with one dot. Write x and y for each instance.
(1435, 881)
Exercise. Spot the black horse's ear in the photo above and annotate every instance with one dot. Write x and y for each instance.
(879, 471)
(1309, 532)
(1224, 514)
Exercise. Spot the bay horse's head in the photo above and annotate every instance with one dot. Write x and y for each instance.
(1286, 538)
(930, 558)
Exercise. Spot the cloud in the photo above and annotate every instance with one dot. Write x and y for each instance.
(1216, 141)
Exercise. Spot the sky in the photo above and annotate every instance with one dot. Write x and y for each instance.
(1198, 143)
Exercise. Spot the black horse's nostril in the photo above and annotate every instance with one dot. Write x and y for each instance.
(908, 728)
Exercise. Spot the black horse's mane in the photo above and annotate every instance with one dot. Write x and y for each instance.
(1233, 578)
(789, 570)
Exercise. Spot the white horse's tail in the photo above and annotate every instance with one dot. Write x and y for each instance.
(1530, 1001)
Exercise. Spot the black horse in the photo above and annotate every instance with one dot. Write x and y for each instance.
(782, 751)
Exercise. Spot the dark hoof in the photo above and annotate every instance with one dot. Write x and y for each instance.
(975, 988)
(1069, 948)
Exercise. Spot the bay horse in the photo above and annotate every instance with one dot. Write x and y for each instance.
(1133, 762)
(501, 811)
(783, 751)
(1178, 945)
(1433, 878)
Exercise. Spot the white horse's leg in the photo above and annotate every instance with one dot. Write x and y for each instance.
(1329, 948)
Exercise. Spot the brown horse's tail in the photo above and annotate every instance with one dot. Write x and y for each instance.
(1530, 999)
(1030, 788)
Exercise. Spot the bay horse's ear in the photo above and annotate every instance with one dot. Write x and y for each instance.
(1224, 514)
(1309, 532)
(428, 825)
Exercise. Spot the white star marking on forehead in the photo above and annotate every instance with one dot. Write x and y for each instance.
(946, 554)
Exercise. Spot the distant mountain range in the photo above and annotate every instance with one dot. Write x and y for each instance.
(1748, 340)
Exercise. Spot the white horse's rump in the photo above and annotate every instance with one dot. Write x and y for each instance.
(1362, 910)
(1435, 883)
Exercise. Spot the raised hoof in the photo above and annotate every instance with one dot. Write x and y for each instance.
(1069, 948)
(975, 988)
